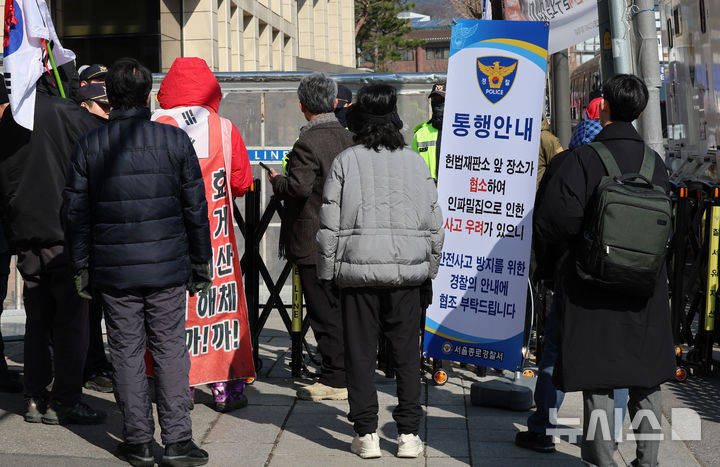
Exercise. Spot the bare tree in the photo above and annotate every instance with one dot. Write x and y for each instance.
(473, 9)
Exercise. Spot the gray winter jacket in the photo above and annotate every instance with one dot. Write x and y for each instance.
(380, 224)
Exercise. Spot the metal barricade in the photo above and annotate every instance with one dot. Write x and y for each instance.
(693, 264)
(264, 107)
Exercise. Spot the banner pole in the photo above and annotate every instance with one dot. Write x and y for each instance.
(55, 72)
(297, 322)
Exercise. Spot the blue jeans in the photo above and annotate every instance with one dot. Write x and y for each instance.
(546, 395)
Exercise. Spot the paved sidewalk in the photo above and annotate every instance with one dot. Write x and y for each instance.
(276, 429)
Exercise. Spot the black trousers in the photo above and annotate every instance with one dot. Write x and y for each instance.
(4, 273)
(154, 318)
(96, 361)
(396, 312)
(326, 323)
(54, 313)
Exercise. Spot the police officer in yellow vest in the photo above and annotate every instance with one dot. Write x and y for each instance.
(426, 140)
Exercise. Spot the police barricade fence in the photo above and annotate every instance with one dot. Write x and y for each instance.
(693, 262)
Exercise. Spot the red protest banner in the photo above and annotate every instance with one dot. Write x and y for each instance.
(216, 330)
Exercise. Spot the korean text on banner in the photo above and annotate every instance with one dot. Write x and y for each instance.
(27, 23)
(217, 333)
(486, 188)
(571, 21)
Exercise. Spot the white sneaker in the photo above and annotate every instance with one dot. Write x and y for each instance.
(319, 392)
(366, 446)
(409, 445)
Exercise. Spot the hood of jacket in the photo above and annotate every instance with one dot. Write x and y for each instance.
(593, 109)
(189, 82)
(46, 84)
(545, 125)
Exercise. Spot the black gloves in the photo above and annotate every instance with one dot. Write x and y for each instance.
(332, 292)
(426, 294)
(200, 280)
(82, 283)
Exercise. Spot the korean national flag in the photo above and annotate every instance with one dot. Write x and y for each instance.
(27, 23)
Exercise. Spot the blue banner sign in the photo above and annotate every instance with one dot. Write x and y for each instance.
(486, 187)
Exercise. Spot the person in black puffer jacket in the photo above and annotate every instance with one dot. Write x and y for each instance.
(138, 232)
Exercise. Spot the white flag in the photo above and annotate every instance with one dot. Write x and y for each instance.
(27, 23)
(571, 22)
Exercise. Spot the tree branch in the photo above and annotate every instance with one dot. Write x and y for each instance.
(364, 9)
(471, 9)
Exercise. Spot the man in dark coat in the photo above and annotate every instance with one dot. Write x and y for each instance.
(608, 340)
(33, 166)
(320, 141)
(9, 380)
(137, 228)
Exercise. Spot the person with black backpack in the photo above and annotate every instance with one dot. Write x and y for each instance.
(608, 201)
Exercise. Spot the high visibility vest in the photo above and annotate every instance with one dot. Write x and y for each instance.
(424, 142)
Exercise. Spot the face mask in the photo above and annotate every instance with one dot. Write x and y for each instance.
(437, 113)
(341, 114)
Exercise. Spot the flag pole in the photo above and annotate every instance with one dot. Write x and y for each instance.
(55, 72)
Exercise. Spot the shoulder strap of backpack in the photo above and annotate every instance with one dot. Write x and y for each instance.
(607, 159)
(648, 164)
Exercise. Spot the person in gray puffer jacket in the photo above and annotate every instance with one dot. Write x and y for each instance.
(380, 238)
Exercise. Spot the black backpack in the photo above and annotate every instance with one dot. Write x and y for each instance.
(626, 230)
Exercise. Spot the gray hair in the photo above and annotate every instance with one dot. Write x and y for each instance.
(317, 92)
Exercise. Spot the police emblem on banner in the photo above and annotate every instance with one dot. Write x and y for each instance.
(496, 76)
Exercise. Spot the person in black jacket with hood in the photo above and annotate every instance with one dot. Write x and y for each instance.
(33, 166)
(138, 233)
(608, 340)
(9, 380)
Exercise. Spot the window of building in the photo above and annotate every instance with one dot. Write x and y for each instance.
(678, 21)
(407, 55)
(669, 33)
(703, 22)
(101, 32)
(437, 53)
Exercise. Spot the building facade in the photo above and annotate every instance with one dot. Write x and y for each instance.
(430, 57)
(231, 35)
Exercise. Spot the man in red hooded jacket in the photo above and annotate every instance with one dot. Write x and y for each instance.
(190, 96)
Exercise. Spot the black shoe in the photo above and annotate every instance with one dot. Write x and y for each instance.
(99, 382)
(535, 441)
(229, 406)
(77, 414)
(136, 454)
(184, 454)
(36, 407)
